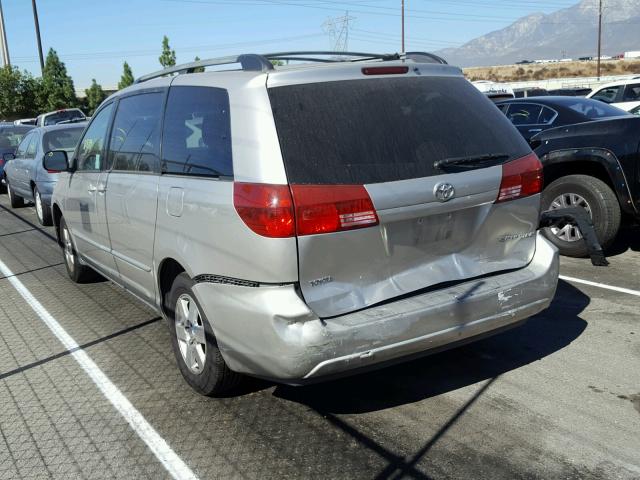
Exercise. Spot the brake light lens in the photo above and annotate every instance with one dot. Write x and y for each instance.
(521, 178)
(266, 209)
(332, 208)
(385, 70)
(280, 211)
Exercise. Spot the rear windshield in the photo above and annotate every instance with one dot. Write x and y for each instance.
(11, 137)
(66, 139)
(594, 109)
(385, 129)
(63, 116)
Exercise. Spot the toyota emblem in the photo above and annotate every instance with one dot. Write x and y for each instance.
(444, 192)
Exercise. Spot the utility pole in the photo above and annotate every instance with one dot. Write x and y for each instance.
(37, 22)
(3, 38)
(599, 35)
(402, 15)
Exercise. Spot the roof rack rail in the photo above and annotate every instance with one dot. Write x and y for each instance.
(248, 61)
(262, 63)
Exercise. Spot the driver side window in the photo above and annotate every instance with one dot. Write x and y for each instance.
(21, 151)
(91, 151)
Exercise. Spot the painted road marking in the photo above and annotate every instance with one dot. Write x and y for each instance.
(160, 448)
(601, 285)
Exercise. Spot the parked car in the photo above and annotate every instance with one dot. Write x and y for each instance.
(542, 113)
(493, 90)
(591, 165)
(25, 121)
(570, 92)
(66, 115)
(624, 94)
(635, 111)
(529, 92)
(25, 175)
(10, 137)
(297, 223)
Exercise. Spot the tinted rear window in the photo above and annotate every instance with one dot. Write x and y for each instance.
(386, 129)
(11, 137)
(63, 116)
(593, 109)
(66, 139)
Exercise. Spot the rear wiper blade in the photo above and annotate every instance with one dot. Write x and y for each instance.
(477, 159)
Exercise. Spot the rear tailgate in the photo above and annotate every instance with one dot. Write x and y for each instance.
(382, 135)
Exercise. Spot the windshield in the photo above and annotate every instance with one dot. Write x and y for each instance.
(62, 116)
(593, 109)
(382, 130)
(66, 139)
(10, 138)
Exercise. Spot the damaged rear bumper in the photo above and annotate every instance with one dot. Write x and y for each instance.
(270, 332)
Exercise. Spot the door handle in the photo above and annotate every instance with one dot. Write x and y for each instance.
(92, 189)
(535, 130)
(101, 189)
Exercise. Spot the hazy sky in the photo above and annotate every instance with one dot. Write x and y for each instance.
(94, 37)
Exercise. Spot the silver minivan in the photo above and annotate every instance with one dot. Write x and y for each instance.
(306, 221)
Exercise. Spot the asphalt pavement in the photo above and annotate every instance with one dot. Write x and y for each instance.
(558, 397)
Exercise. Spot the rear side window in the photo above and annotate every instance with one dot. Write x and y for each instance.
(592, 109)
(197, 132)
(135, 137)
(386, 129)
(632, 93)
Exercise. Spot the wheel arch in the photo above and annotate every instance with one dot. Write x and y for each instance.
(168, 269)
(595, 162)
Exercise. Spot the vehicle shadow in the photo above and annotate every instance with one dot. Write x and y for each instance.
(628, 239)
(433, 375)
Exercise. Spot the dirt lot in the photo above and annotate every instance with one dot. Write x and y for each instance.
(543, 71)
(556, 398)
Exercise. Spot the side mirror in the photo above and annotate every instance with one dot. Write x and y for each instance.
(56, 161)
(8, 156)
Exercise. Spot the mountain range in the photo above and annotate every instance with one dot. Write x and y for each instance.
(568, 33)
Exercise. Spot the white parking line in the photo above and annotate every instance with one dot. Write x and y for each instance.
(160, 448)
(601, 285)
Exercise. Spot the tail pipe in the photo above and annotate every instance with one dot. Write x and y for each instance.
(581, 219)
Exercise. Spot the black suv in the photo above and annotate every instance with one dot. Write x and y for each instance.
(595, 166)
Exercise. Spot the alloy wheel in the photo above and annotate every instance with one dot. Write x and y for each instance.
(67, 244)
(569, 233)
(190, 333)
(38, 202)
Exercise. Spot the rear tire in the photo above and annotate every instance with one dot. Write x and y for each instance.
(595, 196)
(15, 201)
(42, 210)
(194, 344)
(78, 272)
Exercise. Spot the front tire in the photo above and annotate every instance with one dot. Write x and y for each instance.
(15, 201)
(194, 344)
(42, 211)
(589, 193)
(77, 272)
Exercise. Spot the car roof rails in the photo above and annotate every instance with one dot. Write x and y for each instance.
(263, 63)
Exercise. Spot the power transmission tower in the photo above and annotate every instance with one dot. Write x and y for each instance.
(338, 29)
(3, 38)
(599, 35)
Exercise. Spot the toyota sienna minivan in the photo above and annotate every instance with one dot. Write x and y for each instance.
(307, 221)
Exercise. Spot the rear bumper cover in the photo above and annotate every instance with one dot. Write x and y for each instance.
(270, 331)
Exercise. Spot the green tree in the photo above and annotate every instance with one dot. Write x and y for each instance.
(18, 94)
(95, 96)
(57, 86)
(198, 69)
(127, 77)
(277, 63)
(168, 57)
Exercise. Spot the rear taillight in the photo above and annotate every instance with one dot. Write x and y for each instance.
(279, 212)
(521, 178)
(1, 162)
(265, 209)
(332, 208)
